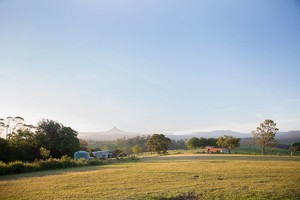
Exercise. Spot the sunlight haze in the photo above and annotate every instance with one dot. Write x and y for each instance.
(151, 66)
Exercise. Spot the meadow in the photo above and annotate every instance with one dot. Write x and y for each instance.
(181, 176)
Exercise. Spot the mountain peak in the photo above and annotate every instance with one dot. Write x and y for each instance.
(114, 129)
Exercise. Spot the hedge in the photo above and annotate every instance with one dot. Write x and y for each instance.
(17, 167)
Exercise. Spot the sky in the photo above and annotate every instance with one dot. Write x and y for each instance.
(151, 66)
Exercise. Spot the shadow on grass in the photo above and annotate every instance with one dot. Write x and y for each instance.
(49, 172)
(55, 172)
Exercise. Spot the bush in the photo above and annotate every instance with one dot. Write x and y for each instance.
(95, 162)
(81, 162)
(16, 167)
(133, 157)
(32, 167)
(67, 161)
(66, 158)
(129, 158)
(3, 168)
(52, 163)
(47, 164)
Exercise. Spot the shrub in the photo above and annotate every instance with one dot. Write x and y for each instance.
(81, 161)
(16, 167)
(3, 168)
(52, 163)
(67, 161)
(66, 158)
(95, 162)
(130, 158)
(133, 157)
(31, 167)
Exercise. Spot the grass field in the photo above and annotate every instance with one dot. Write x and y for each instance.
(197, 176)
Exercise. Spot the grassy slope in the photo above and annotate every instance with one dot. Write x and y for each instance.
(209, 176)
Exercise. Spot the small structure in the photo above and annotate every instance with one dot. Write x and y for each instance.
(212, 149)
(81, 154)
(102, 154)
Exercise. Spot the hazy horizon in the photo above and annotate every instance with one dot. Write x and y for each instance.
(151, 66)
(177, 133)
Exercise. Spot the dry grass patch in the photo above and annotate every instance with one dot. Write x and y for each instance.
(166, 177)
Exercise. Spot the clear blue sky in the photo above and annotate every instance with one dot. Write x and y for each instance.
(151, 66)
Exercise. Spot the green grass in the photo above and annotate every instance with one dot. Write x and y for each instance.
(182, 176)
(257, 150)
(243, 149)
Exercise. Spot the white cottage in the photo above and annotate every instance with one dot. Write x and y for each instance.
(102, 154)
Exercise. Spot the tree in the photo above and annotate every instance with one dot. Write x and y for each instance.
(158, 143)
(228, 142)
(212, 141)
(136, 149)
(295, 147)
(83, 145)
(250, 142)
(178, 144)
(193, 143)
(45, 153)
(265, 134)
(23, 145)
(60, 140)
(4, 150)
(118, 153)
(126, 144)
(11, 124)
(203, 142)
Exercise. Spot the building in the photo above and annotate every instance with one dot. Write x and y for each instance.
(102, 154)
(212, 149)
(81, 154)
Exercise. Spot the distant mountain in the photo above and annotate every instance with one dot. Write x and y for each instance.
(218, 133)
(286, 138)
(289, 134)
(211, 134)
(111, 134)
(283, 138)
(116, 133)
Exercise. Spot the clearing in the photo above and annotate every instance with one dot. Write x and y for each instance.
(197, 176)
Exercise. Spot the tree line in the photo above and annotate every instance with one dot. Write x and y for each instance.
(263, 136)
(136, 144)
(28, 143)
(52, 139)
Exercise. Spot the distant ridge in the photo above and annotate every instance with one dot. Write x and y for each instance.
(116, 133)
(289, 137)
(211, 134)
(286, 138)
(218, 133)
